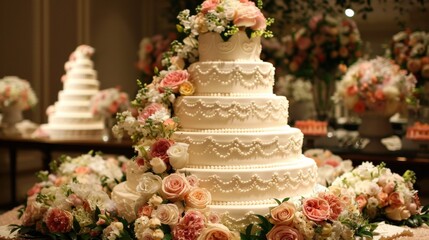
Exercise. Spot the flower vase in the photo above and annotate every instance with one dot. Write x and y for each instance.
(375, 126)
(11, 116)
(109, 121)
(323, 90)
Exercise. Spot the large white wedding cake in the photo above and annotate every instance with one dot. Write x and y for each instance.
(240, 146)
(71, 117)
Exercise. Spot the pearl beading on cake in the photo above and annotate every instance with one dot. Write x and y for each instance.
(256, 183)
(203, 110)
(235, 75)
(239, 224)
(232, 167)
(254, 148)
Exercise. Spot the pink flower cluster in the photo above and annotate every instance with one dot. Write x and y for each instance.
(410, 50)
(376, 85)
(109, 101)
(324, 42)
(16, 93)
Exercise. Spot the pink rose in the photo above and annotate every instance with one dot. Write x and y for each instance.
(361, 201)
(284, 232)
(145, 210)
(389, 187)
(173, 80)
(209, 5)
(316, 209)
(283, 213)
(175, 187)
(382, 199)
(248, 15)
(213, 217)
(58, 220)
(190, 226)
(395, 199)
(352, 90)
(149, 111)
(159, 149)
(334, 204)
(198, 198)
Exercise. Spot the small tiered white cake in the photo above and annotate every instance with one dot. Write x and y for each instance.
(70, 117)
(240, 145)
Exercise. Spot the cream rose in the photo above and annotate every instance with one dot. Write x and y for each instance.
(168, 214)
(175, 187)
(198, 198)
(149, 184)
(158, 165)
(178, 155)
(283, 213)
(215, 231)
(155, 200)
(397, 213)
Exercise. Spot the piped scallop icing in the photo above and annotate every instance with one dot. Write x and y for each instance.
(232, 149)
(211, 112)
(232, 78)
(239, 47)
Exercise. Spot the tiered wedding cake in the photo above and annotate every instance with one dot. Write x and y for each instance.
(70, 117)
(240, 146)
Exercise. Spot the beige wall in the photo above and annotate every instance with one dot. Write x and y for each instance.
(37, 36)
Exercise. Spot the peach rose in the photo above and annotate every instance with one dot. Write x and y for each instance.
(248, 15)
(198, 198)
(175, 187)
(58, 220)
(382, 199)
(397, 213)
(168, 214)
(334, 204)
(33, 212)
(361, 201)
(284, 232)
(215, 232)
(316, 209)
(145, 210)
(174, 79)
(283, 213)
(395, 199)
(34, 190)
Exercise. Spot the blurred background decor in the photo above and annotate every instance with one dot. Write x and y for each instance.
(16, 95)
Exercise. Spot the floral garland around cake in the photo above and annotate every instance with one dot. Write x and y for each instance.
(16, 92)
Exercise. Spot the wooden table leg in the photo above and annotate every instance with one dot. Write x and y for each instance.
(12, 174)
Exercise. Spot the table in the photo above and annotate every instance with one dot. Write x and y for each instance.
(48, 146)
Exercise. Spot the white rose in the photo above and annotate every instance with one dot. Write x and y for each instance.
(158, 165)
(149, 184)
(154, 223)
(178, 155)
(168, 214)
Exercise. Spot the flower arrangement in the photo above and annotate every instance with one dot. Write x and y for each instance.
(151, 50)
(383, 195)
(330, 166)
(330, 214)
(323, 43)
(16, 92)
(109, 101)
(410, 50)
(73, 199)
(376, 85)
(295, 89)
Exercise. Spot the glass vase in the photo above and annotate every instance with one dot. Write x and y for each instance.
(11, 115)
(323, 89)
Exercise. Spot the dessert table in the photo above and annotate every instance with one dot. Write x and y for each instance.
(47, 147)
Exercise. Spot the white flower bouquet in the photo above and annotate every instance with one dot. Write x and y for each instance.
(16, 92)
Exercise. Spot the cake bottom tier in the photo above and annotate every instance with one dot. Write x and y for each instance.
(74, 132)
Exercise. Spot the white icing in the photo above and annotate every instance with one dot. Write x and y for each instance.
(205, 112)
(239, 47)
(242, 148)
(232, 77)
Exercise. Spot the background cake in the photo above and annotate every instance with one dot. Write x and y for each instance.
(240, 146)
(71, 117)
